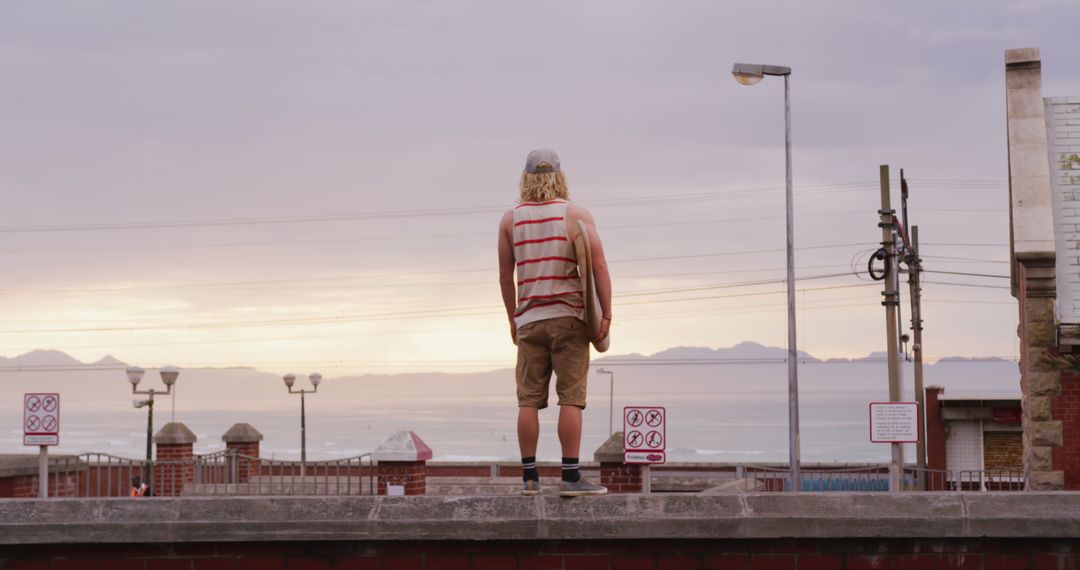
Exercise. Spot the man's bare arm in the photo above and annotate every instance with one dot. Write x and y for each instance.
(506, 269)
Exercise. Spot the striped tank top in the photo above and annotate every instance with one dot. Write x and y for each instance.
(548, 283)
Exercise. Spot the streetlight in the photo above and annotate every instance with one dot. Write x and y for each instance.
(749, 74)
(611, 401)
(168, 377)
(290, 379)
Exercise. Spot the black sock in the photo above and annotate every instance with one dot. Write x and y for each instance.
(570, 472)
(528, 469)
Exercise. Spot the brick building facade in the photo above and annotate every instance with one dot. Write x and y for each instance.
(1045, 268)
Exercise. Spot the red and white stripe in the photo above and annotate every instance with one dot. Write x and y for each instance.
(547, 278)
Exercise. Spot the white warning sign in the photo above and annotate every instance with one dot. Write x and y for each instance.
(41, 419)
(644, 434)
(894, 422)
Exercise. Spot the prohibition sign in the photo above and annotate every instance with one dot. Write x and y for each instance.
(33, 423)
(654, 440)
(33, 403)
(48, 404)
(634, 418)
(634, 438)
(49, 423)
(653, 418)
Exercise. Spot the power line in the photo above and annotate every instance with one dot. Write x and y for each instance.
(856, 186)
(967, 285)
(432, 312)
(974, 244)
(965, 259)
(967, 274)
(489, 269)
(399, 237)
(420, 213)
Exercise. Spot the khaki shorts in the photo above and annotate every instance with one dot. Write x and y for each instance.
(559, 345)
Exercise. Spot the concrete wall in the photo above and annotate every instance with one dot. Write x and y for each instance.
(780, 554)
(857, 531)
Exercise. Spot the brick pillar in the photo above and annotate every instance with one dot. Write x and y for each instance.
(243, 441)
(616, 475)
(935, 438)
(174, 466)
(619, 477)
(1040, 382)
(402, 461)
(412, 475)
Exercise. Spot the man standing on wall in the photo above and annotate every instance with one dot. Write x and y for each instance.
(546, 309)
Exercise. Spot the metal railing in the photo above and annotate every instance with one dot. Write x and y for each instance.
(260, 476)
(997, 479)
(220, 473)
(876, 479)
(93, 475)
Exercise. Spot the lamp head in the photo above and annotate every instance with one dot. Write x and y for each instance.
(169, 375)
(748, 73)
(134, 375)
(315, 378)
(289, 379)
(601, 371)
(751, 73)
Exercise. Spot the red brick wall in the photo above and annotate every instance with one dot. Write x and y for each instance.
(65, 484)
(779, 554)
(411, 474)
(484, 470)
(621, 478)
(1003, 450)
(935, 431)
(1066, 408)
(245, 468)
(173, 469)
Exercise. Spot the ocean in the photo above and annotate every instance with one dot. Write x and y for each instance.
(733, 414)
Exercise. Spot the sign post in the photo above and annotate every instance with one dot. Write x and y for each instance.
(41, 427)
(894, 423)
(644, 439)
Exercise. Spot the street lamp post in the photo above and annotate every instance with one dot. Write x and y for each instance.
(611, 400)
(749, 74)
(168, 377)
(290, 379)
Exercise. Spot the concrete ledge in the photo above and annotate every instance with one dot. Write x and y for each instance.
(667, 516)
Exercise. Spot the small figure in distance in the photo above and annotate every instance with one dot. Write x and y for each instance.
(138, 488)
(545, 305)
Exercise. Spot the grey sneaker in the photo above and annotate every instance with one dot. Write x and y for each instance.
(580, 487)
(531, 488)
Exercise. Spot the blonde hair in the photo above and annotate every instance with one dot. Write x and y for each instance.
(543, 186)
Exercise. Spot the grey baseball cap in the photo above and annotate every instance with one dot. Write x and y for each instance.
(542, 160)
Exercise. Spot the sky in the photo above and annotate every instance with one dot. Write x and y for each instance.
(316, 185)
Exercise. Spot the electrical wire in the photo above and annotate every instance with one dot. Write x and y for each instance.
(488, 269)
(421, 213)
(965, 273)
(856, 186)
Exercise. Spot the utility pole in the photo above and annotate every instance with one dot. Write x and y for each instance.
(914, 276)
(910, 235)
(891, 302)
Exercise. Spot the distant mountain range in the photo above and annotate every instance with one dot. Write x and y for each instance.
(747, 351)
(55, 358)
